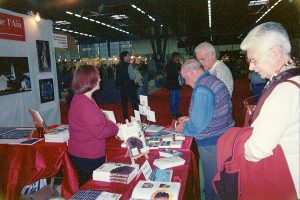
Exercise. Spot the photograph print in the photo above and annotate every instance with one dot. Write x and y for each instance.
(46, 90)
(14, 75)
(43, 54)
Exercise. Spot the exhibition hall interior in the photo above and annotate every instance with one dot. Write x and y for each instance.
(149, 99)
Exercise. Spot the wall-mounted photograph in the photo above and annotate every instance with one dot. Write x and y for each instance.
(14, 75)
(46, 90)
(43, 54)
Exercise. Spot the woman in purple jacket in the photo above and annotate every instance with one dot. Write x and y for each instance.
(88, 125)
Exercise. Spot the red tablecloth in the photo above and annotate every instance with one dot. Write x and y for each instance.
(186, 174)
(25, 164)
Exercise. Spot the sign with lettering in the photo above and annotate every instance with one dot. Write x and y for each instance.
(60, 41)
(12, 27)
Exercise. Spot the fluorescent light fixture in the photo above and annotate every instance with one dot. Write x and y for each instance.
(268, 11)
(98, 22)
(134, 6)
(258, 2)
(92, 20)
(70, 31)
(77, 15)
(209, 12)
(64, 29)
(57, 28)
(85, 17)
(75, 32)
(161, 25)
(119, 16)
(68, 12)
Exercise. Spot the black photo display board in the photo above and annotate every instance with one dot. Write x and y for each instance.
(14, 75)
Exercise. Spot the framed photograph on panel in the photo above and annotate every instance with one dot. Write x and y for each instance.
(46, 90)
(43, 54)
(14, 75)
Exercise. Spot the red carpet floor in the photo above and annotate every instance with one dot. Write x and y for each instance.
(159, 102)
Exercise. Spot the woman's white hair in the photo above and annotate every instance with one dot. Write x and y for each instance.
(266, 36)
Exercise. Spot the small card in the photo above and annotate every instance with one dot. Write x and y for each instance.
(137, 115)
(151, 116)
(144, 100)
(141, 109)
(146, 169)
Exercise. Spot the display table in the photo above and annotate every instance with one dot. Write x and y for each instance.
(186, 174)
(25, 164)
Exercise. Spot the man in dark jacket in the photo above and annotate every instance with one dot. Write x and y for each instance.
(172, 83)
(126, 85)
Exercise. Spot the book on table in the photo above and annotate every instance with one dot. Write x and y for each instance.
(59, 134)
(26, 141)
(95, 195)
(164, 163)
(169, 153)
(116, 172)
(155, 190)
(170, 144)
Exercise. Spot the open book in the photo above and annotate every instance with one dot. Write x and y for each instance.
(95, 195)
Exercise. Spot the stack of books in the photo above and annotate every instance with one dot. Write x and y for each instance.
(59, 134)
(164, 163)
(116, 172)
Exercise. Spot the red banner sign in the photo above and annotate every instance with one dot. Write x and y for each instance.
(12, 27)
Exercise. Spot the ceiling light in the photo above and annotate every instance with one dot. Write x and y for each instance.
(68, 12)
(77, 15)
(133, 6)
(119, 16)
(92, 20)
(85, 17)
(209, 12)
(258, 2)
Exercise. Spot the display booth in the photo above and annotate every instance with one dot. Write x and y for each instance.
(28, 77)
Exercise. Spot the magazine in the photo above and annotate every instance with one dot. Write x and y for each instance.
(169, 153)
(14, 133)
(154, 190)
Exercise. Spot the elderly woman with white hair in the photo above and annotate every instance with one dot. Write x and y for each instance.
(268, 51)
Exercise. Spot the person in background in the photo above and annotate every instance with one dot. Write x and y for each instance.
(138, 79)
(172, 83)
(209, 117)
(268, 50)
(126, 84)
(206, 54)
(88, 125)
(152, 67)
(257, 85)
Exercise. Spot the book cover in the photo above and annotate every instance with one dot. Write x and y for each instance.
(156, 190)
(162, 175)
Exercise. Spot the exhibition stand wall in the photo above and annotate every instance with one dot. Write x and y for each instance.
(28, 77)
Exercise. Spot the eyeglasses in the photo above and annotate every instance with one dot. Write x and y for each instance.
(254, 61)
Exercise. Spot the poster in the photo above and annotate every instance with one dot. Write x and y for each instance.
(46, 90)
(43, 54)
(14, 75)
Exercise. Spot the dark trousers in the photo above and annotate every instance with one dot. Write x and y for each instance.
(128, 92)
(85, 167)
